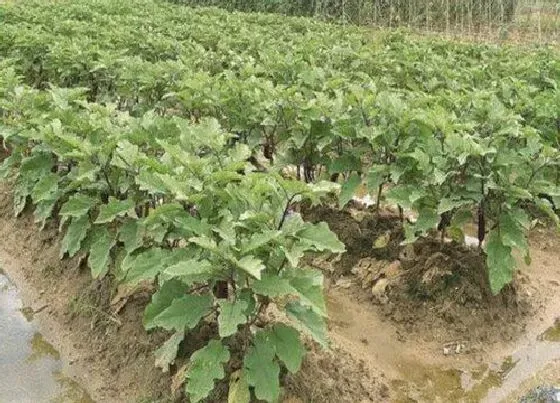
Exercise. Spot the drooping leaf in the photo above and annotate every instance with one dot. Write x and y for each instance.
(349, 189)
(130, 234)
(308, 320)
(321, 238)
(78, 205)
(75, 234)
(166, 354)
(261, 368)
(239, 388)
(161, 300)
(512, 233)
(99, 252)
(500, 261)
(184, 313)
(145, 265)
(43, 210)
(115, 208)
(309, 286)
(45, 188)
(289, 348)
(231, 315)
(206, 366)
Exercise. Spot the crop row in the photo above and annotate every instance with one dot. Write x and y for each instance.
(133, 125)
(450, 127)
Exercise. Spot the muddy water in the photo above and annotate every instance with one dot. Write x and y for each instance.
(489, 383)
(30, 368)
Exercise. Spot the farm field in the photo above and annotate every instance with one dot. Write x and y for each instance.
(218, 206)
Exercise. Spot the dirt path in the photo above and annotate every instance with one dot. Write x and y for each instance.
(418, 369)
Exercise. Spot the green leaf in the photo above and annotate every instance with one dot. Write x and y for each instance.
(512, 233)
(261, 368)
(75, 234)
(321, 238)
(43, 210)
(99, 253)
(191, 270)
(348, 189)
(161, 300)
(427, 219)
(294, 253)
(446, 205)
(115, 208)
(251, 265)
(184, 313)
(308, 320)
(259, 239)
(232, 314)
(166, 354)
(309, 286)
(78, 206)
(205, 243)
(145, 266)
(239, 388)
(206, 366)
(289, 348)
(131, 235)
(247, 295)
(45, 188)
(501, 262)
(273, 286)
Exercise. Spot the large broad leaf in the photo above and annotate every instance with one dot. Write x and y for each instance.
(145, 266)
(294, 253)
(321, 238)
(512, 233)
(131, 235)
(349, 189)
(289, 348)
(43, 210)
(273, 286)
(262, 369)
(232, 314)
(239, 388)
(75, 234)
(259, 239)
(78, 206)
(115, 208)
(99, 252)
(500, 261)
(251, 265)
(446, 204)
(191, 270)
(184, 313)
(45, 188)
(161, 300)
(309, 286)
(166, 354)
(206, 366)
(308, 320)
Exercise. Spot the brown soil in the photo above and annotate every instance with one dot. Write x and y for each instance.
(97, 327)
(432, 292)
(443, 294)
(358, 228)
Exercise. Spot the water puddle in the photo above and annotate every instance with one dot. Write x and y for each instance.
(487, 383)
(30, 367)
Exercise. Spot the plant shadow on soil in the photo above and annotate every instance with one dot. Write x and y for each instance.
(431, 291)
